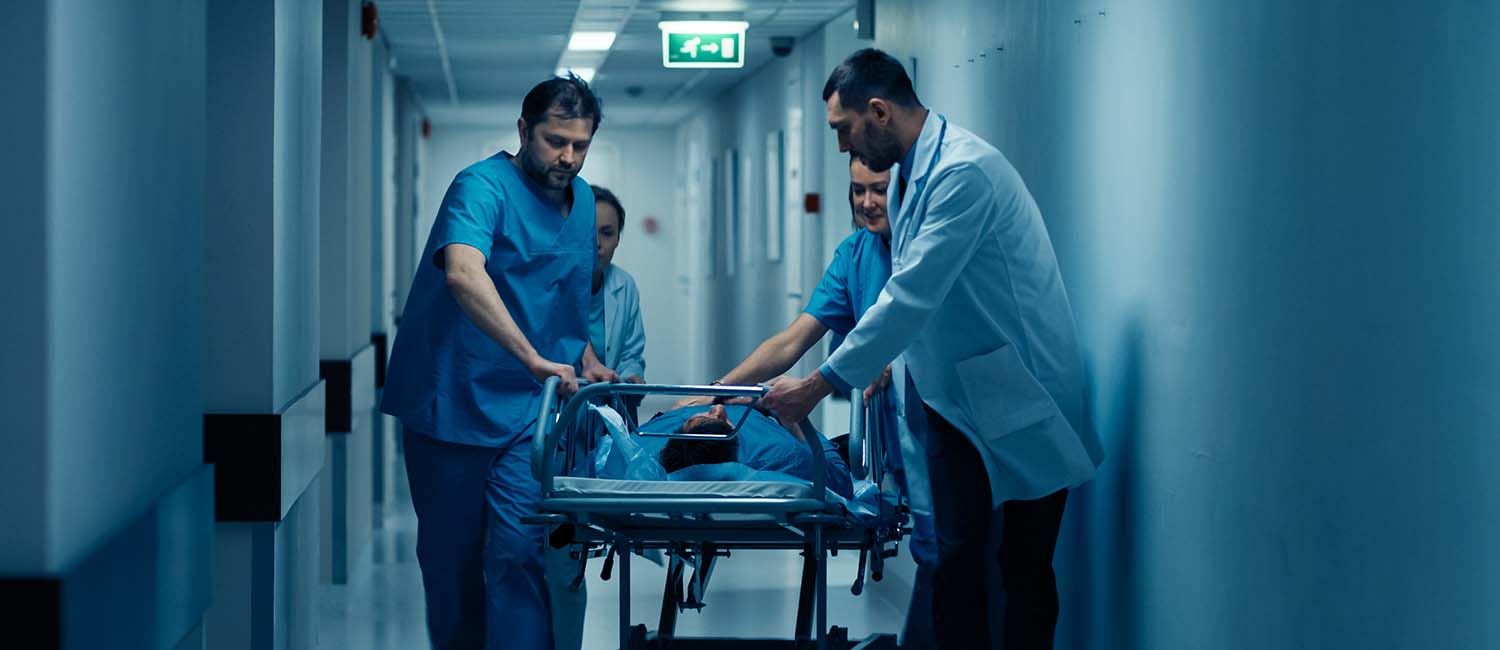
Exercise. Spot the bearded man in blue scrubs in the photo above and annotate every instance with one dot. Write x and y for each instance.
(499, 304)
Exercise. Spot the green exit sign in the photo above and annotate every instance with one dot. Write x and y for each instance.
(690, 46)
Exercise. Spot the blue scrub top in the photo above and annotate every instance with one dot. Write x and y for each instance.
(449, 380)
(860, 267)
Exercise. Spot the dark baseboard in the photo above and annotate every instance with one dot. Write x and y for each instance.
(351, 388)
(263, 461)
(378, 339)
(31, 609)
(245, 450)
(338, 374)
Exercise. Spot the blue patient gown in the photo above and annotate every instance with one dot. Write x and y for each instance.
(468, 405)
(771, 458)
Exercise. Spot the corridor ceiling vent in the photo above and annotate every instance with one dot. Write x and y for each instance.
(702, 40)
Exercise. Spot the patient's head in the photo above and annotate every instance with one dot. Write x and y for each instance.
(683, 452)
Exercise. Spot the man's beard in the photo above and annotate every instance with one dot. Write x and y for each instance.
(884, 152)
(542, 174)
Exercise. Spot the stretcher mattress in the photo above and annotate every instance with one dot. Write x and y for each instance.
(576, 487)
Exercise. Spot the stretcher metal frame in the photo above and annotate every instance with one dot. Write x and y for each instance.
(618, 527)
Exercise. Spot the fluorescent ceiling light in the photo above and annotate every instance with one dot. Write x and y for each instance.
(586, 74)
(591, 41)
(704, 26)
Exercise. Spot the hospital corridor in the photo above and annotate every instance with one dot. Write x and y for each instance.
(750, 325)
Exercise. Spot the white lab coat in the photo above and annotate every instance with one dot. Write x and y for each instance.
(976, 310)
(624, 332)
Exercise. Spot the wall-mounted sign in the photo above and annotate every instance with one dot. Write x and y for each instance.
(703, 43)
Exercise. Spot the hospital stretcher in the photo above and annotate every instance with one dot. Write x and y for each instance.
(695, 523)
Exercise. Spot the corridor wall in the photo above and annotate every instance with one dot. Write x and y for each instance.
(107, 505)
(1277, 225)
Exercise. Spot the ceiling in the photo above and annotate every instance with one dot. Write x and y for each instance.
(496, 50)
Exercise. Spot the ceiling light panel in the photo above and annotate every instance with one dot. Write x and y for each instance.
(591, 41)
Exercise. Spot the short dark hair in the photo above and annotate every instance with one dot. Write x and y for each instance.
(682, 453)
(570, 96)
(603, 195)
(870, 73)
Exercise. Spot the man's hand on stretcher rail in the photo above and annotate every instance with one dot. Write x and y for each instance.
(880, 383)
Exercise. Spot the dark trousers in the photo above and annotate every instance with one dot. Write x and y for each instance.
(1027, 592)
(917, 634)
(482, 569)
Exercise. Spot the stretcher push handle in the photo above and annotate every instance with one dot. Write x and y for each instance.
(543, 426)
(858, 460)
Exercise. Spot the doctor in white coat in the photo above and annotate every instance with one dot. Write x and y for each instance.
(977, 320)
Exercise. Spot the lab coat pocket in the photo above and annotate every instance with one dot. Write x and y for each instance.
(1002, 395)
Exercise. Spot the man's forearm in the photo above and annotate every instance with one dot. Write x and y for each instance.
(769, 359)
(777, 354)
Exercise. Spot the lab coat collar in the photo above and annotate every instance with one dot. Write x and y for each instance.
(924, 155)
(612, 282)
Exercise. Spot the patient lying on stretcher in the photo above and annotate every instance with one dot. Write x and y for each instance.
(764, 449)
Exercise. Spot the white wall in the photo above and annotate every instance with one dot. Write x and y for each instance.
(347, 215)
(295, 320)
(123, 387)
(1277, 223)
(450, 149)
(261, 293)
(99, 372)
(744, 304)
(23, 332)
(642, 179)
(409, 171)
(383, 177)
(762, 296)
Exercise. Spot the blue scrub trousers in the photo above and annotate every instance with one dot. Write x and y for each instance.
(482, 571)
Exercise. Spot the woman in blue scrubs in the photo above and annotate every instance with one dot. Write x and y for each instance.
(860, 267)
(499, 304)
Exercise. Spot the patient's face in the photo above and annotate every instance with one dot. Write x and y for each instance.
(680, 453)
(706, 420)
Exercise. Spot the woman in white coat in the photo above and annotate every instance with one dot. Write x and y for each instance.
(615, 326)
(619, 339)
